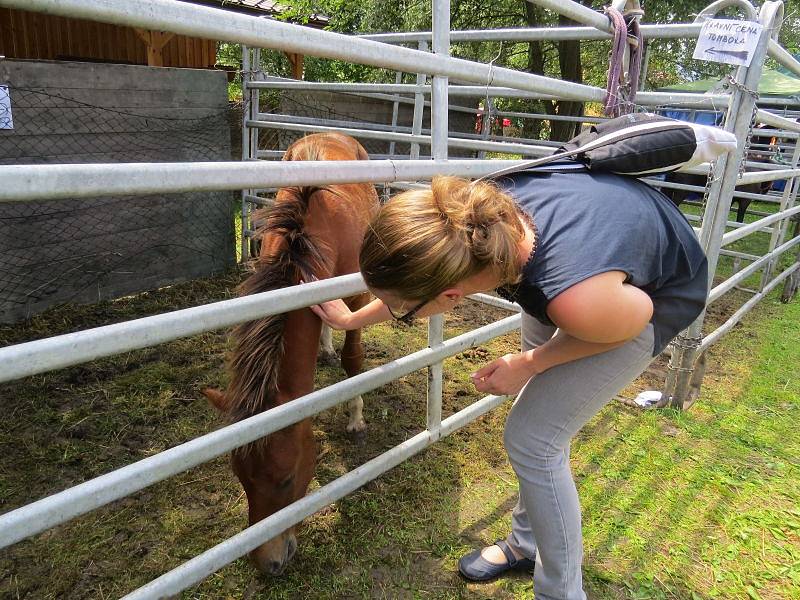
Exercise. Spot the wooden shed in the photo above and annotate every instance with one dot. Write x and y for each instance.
(30, 35)
(77, 91)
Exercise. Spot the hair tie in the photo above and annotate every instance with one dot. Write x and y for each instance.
(482, 229)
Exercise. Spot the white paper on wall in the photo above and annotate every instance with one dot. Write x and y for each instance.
(6, 122)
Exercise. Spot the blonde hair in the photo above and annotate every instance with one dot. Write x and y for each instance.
(423, 242)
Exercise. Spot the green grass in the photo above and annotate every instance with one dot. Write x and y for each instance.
(756, 244)
(702, 504)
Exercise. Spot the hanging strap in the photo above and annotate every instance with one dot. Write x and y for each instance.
(621, 87)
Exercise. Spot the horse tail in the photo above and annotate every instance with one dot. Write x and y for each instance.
(288, 256)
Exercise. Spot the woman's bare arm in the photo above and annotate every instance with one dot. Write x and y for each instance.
(338, 315)
(593, 316)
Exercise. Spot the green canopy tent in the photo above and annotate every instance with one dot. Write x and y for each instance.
(773, 83)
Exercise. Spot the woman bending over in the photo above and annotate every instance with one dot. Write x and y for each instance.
(607, 272)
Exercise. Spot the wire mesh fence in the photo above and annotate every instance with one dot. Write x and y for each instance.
(84, 250)
(357, 111)
(54, 128)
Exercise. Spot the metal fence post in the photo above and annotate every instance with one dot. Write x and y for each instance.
(398, 79)
(245, 212)
(419, 106)
(255, 100)
(644, 67)
(439, 131)
(778, 234)
(739, 120)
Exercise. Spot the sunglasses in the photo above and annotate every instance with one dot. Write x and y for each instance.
(408, 317)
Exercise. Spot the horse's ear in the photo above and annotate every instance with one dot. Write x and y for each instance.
(217, 398)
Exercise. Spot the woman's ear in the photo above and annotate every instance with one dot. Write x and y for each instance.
(452, 295)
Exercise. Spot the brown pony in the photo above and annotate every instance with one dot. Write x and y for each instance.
(310, 232)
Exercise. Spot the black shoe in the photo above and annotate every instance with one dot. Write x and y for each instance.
(476, 568)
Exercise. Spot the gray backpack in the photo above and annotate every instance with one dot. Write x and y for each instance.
(636, 144)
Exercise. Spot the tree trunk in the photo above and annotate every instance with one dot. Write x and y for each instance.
(569, 62)
(536, 65)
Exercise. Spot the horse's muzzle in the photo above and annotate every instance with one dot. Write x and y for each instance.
(272, 557)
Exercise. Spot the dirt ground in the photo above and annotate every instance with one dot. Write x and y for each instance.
(65, 427)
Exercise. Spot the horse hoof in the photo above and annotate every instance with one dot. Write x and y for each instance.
(328, 359)
(356, 426)
(359, 436)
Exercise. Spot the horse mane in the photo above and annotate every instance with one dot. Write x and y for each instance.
(288, 255)
(255, 360)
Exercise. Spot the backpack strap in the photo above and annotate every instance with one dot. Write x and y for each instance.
(541, 165)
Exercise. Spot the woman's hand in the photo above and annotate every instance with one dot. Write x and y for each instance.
(506, 375)
(334, 313)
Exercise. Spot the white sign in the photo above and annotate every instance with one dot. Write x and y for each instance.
(6, 122)
(727, 41)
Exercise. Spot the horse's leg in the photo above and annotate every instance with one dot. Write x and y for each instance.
(352, 362)
(742, 210)
(327, 355)
(678, 196)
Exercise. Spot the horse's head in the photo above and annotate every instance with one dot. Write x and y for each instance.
(274, 472)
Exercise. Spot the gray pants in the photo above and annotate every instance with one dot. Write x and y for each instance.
(549, 411)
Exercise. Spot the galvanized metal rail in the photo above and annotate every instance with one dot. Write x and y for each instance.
(65, 181)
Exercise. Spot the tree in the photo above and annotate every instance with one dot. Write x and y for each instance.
(570, 69)
(582, 62)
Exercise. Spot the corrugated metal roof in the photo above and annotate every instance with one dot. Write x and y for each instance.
(268, 7)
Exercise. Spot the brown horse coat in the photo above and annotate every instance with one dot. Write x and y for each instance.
(310, 233)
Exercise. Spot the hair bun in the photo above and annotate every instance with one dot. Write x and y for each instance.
(436, 238)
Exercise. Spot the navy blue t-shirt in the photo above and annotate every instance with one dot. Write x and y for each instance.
(590, 223)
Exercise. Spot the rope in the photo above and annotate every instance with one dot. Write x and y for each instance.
(617, 102)
(612, 106)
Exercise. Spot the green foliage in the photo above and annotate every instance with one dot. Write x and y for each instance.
(229, 55)
(670, 60)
